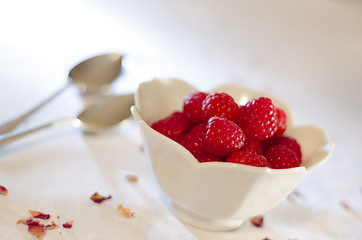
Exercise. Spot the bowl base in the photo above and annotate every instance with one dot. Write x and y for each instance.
(205, 223)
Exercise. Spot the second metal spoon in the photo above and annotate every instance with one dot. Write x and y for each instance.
(104, 114)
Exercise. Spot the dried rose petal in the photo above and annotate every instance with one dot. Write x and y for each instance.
(344, 205)
(257, 221)
(68, 224)
(37, 230)
(32, 222)
(29, 221)
(37, 214)
(293, 195)
(125, 211)
(266, 238)
(132, 178)
(23, 221)
(97, 198)
(34, 225)
(52, 225)
(3, 190)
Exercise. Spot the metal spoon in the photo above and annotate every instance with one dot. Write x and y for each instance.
(109, 112)
(90, 76)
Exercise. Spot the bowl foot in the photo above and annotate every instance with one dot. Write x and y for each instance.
(205, 223)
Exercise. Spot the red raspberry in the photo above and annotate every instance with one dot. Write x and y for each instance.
(208, 158)
(193, 106)
(194, 139)
(173, 126)
(252, 145)
(247, 158)
(282, 122)
(222, 137)
(291, 144)
(258, 119)
(219, 105)
(265, 144)
(281, 157)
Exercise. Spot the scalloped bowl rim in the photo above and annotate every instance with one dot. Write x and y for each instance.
(195, 163)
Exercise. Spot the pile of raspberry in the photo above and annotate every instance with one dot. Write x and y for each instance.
(213, 127)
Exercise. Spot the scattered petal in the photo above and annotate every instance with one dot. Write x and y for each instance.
(34, 226)
(32, 222)
(68, 224)
(3, 190)
(29, 221)
(344, 205)
(125, 211)
(132, 178)
(37, 230)
(23, 221)
(52, 225)
(97, 198)
(37, 214)
(293, 195)
(257, 221)
(266, 238)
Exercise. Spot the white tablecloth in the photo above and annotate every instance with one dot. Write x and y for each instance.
(309, 54)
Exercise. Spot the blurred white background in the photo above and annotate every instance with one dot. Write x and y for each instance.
(307, 53)
(284, 47)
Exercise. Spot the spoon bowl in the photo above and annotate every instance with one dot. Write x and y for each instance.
(96, 73)
(106, 113)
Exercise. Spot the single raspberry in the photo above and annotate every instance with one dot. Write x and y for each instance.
(208, 158)
(219, 105)
(252, 145)
(281, 157)
(194, 139)
(222, 137)
(192, 108)
(258, 119)
(291, 144)
(247, 158)
(282, 122)
(173, 126)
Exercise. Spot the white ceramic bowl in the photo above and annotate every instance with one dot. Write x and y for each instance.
(217, 195)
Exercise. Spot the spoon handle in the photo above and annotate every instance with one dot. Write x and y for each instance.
(12, 138)
(12, 124)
